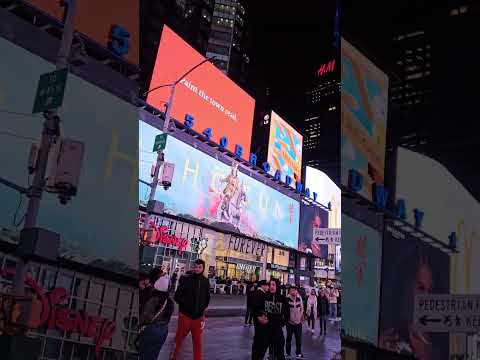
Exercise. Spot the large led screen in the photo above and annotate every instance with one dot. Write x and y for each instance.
(96, 18)
(206, 93)
(364, 118)
(90, 231)
(361, 262)
(212, 192)
(312, 217)
(285, 149)
(410, 267)
(327, 192)
(448, 207)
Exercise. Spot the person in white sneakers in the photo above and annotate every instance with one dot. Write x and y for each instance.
(294, 322)
(311, 310)
(332, 299)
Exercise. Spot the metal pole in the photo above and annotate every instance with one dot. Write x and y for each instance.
(49, 134)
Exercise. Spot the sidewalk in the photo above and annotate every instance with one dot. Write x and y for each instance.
(225, 305)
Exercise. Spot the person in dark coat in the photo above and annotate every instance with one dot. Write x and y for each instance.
(323, 311)
(249, 314)
(260, 321)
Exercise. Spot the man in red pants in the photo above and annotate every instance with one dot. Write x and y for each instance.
(192, 297)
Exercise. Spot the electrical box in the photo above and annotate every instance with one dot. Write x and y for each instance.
(155, 207)
(52, 165)
(69, 167)
(167, 174)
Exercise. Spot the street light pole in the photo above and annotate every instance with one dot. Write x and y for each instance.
(49, 135)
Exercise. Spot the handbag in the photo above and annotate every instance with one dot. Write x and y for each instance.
(143, 327)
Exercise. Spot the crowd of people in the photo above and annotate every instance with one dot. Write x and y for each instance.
(271, 308)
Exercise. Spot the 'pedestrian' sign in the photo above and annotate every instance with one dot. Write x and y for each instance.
(160, 142)
(50, 90)
(448, 313)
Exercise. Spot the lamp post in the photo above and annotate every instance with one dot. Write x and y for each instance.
(160, 154)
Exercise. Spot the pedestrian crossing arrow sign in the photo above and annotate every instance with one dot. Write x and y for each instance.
(448, 313)
(50, 90)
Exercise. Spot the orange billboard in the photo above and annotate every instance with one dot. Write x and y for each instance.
(206, 93)
(95, 19)
(285, 149)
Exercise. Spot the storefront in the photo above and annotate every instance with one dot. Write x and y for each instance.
(107, 298)
(174, 245)
(304, 274)
(240, 258)
(277, 265)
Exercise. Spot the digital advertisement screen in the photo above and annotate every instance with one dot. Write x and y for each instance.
(212, 192)
(207, 94)
(411, 267)
(90, 233)
(96, 18)
(364, 118)
(361, 265)
(327, 192)
(427, 185)
(285, 149)
(312, 217)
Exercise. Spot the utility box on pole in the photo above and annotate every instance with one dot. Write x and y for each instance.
(40, 243)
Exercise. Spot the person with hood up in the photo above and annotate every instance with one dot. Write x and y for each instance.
(154, 319)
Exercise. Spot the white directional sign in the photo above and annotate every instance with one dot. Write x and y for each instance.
(448, 313)
(325, 236)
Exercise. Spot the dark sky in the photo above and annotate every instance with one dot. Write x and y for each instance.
(289, 43)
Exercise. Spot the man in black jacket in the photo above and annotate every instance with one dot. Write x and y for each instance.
(277, 313)
(193, 297)
(260, 320)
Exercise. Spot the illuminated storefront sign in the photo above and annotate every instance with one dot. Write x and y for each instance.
(161, 235)
(246, 246)
(326, 68)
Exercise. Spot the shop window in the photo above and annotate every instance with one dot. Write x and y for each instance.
(92, 309)
(80, 352)
(67, 349)
(65, 281)
(80, 288)
(95, 292)
(47, 279)
(111, 294)
(52, 349)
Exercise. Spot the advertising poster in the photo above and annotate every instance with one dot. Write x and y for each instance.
(364, 118)
(89, 234)
(96, 18)
(285, 149)
(327, 192)
(208, 190)
(207, 94)
(411, 267)
(448, 208)
(312, 218)
(361, 259)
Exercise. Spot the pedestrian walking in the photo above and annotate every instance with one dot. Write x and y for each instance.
(311, 310)
(294, 322)
(322, 308)
(276, 310)
(154, 319)
(249, 314)
(192, 297)
(260, 321)
(332, 298)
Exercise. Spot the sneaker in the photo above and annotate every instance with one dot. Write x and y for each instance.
(300, 356)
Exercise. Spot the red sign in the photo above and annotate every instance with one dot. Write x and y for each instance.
(49, 308)
(160, 235)
(326, 68)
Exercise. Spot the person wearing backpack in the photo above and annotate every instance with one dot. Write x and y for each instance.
(154, 319)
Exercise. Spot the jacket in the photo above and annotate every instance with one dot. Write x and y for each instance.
(312, 303)
(193, 295)
(322, 306)
(150, 312)
(275, 306)
(257, 303)
(295, 310)
(333, 295)
(250, 296)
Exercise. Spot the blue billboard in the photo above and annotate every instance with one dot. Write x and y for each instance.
(361, 258)
(97, 226)
(212, 192)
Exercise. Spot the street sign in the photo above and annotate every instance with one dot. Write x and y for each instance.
(160, 142)
(325, 236)
(448, 313)
(50, 90)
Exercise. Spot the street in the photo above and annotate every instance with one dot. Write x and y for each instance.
(227, 339)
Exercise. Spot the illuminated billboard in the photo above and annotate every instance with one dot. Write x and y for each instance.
(207, 94)
(364, 118)
(90, 232)
(212, 192)
(285, 149)
(96, 19)
(327, 192)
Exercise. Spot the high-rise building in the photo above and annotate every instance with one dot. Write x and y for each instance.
(321, 124)
(213, 27)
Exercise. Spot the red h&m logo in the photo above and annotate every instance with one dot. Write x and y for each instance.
(326, 68)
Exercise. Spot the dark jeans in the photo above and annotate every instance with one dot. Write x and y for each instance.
(311, 320)
(323, 324)
(151, 341)
(277, 343)
(297, 331)
(249, 317)
(260, 341)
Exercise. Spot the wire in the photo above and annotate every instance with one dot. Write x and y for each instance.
(7, 133)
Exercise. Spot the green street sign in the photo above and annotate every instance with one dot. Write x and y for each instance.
(160, 142)
(50, 90)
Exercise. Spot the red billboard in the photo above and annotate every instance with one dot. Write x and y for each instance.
(95, 19)
(207, 94)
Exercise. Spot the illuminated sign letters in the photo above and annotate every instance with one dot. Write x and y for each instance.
(326, 68)
(246, 246)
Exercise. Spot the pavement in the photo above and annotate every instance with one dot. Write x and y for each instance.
(226, 338)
